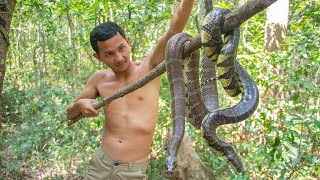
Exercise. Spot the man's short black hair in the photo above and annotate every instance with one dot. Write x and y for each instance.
(104, 32)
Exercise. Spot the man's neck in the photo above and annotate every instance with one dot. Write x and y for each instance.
(125, 75)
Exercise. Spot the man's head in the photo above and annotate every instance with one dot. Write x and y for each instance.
(111, 46)
(104, 32)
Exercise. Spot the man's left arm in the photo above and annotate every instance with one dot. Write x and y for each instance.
(177, 24)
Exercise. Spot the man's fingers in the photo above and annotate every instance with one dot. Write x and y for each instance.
(96, 112)
(90, 113)
(94, 105)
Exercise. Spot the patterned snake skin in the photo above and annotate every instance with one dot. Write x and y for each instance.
(212, 42)
(188, 97)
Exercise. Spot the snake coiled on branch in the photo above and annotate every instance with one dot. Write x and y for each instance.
(187, 100)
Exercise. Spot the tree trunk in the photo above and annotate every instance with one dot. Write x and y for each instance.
(276, 25)
(275, 33)
(6, 11)
(189, 165)
(71, 35)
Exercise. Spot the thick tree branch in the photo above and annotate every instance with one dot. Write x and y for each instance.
(245, 12)
(232, 20)
(208, 6)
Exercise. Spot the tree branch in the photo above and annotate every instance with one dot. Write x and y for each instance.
(245, 12)
(232, 20)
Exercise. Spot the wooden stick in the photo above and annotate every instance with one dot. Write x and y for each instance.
(232, 20)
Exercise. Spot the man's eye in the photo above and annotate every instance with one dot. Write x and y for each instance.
(108, 54)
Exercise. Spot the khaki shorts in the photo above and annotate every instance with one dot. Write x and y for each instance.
(101, 167)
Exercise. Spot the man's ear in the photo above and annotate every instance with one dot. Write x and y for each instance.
(128, 40)
(97, 56)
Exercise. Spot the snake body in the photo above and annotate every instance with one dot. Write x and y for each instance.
(222, 56)
(237, 113)
(188, 101)
(174, 54)
(208, 86)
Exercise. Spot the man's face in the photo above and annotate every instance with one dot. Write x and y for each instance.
(115, 53)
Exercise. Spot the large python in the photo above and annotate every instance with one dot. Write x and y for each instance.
(185, 89)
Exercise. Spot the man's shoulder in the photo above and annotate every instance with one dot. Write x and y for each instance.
(102, 75)
(138, 63)
(143, 66)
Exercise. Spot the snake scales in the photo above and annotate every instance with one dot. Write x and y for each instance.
(187, 95)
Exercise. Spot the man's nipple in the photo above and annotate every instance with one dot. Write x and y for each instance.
(140, 98)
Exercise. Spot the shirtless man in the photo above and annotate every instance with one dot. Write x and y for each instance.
(130, 121)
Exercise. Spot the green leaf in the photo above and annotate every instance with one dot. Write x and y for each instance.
(296, 96)
(295, 161)
(296, 117)
(311, 158)
(308, 85)
(283, 172)
(276, 141)
(293, 150)
(317, 123)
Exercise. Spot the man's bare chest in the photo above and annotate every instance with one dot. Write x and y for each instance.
(142, 95)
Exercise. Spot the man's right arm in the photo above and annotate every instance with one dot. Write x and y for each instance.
(177, 24)
(83, 103)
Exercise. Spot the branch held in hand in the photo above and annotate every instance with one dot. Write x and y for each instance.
(232, 20)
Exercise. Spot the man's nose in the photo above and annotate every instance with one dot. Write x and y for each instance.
(118, 57)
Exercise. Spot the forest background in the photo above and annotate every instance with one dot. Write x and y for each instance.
(50, 59)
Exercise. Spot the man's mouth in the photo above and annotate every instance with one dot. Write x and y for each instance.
(121, 63)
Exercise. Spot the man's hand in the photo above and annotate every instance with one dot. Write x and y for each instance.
(85, 106)
(82, 106)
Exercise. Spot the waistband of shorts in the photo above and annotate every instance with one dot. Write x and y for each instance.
(130, 165)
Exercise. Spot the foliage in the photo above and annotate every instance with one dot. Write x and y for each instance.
(50, 59)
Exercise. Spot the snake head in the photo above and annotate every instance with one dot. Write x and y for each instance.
(171, 164)
(235, 162)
